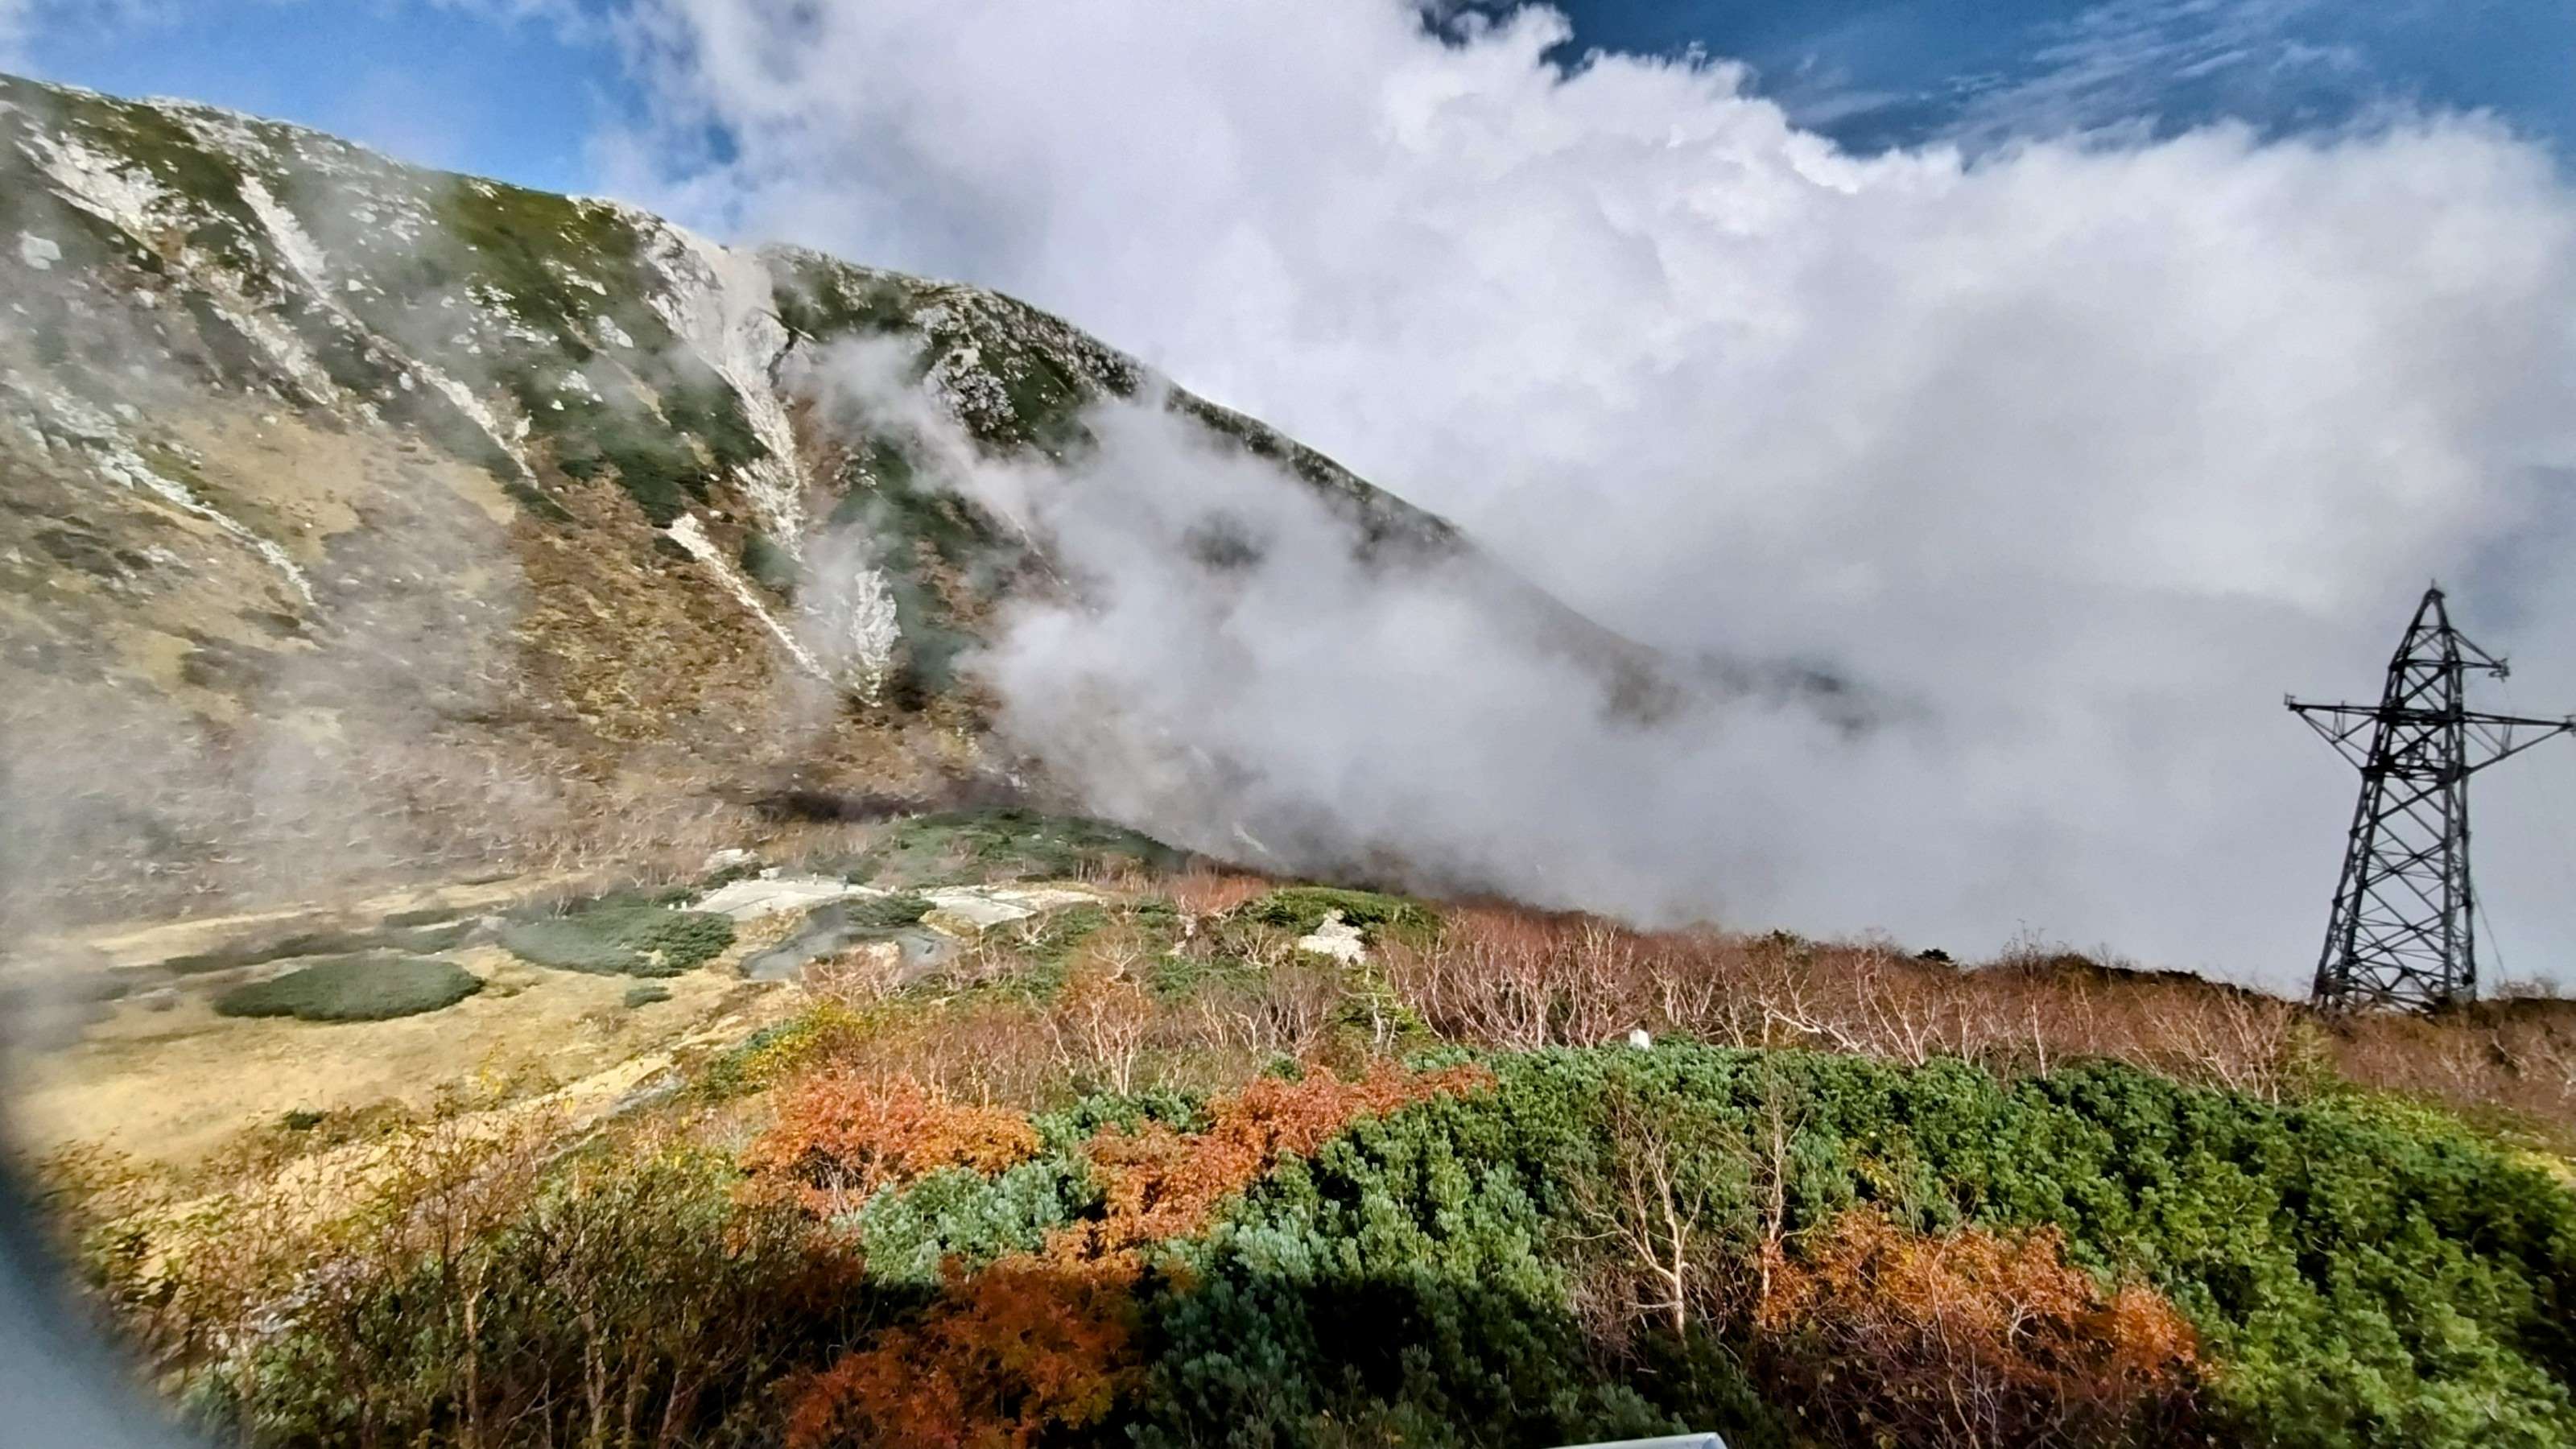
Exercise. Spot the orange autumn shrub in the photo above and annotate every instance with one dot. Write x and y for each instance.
(1970, 1338)
(1157, 1183)
(1037, 1345)
(840, 1136)
(1007, 1356)
(1204, 891)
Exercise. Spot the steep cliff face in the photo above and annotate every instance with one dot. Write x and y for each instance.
(355, 516)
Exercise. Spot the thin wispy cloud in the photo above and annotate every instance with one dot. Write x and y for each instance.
(24, 22)
(2120, 65)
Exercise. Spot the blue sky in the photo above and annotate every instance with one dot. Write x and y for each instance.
(435, 84)
(463, 85)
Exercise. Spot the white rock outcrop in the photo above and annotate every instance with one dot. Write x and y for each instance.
(1336, 938)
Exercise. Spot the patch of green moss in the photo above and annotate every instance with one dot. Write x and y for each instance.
(1046, 400)
(621, 940)
(349, 358)
(664, 466)
(530, 244)
(768, 565)
(179, 163)
(820, 299)
(654, 465)
(698, 402)
(354, 988)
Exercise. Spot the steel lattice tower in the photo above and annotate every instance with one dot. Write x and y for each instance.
(2401, 934)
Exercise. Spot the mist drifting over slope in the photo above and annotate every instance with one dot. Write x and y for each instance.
(2091, 446)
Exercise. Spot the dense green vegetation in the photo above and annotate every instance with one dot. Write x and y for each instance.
(621, 940)
(1449, 1267)
(1304, 908)
(1002, 843)
(768, 565)
(2365, 1275)
(877, 913)
(354, 988)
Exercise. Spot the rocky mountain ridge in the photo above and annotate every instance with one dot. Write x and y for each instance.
(388, 516)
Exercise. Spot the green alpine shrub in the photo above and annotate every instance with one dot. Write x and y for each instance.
(354, 988)
(621, 940)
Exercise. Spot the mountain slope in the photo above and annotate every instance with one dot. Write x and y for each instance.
(355, 516)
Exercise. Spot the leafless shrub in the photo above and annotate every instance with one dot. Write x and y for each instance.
(1285, 1011)
(1105, 1018)
(860, 976)
(1520, 979)
(1516, 978)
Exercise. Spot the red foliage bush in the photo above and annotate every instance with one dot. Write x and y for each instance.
(1208, 892)
(1008, 1355)
(1161, 1184)
(1034, 1344)
(1894, 1337)
(840, 1136)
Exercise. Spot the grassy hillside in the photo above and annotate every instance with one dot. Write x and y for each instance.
(1144, 1171)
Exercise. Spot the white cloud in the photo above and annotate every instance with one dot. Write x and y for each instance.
(2090, 451)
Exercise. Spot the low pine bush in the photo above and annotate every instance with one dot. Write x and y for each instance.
(1303, 908)
(884, 913)
(354, 988)
(1005, 843)
(622, 940)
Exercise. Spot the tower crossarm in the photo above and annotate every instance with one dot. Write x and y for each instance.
(2502, 736)
(2489, 738)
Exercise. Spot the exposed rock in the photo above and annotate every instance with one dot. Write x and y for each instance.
(769, 895)
(1336, 938)
(970, 911)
